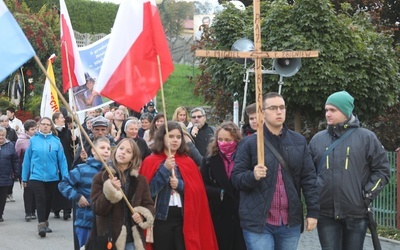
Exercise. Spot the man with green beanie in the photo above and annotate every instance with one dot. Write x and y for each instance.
(350, 174)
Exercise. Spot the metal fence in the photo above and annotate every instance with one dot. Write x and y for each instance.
(385, 205)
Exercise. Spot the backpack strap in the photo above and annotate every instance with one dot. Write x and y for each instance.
(332, 146)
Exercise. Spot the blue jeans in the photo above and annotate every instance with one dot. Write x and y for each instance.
(82, 234)
(273, 238)
(342, 234)
(130, 246)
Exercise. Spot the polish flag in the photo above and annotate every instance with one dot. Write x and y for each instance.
(130, 72)
(72, 70)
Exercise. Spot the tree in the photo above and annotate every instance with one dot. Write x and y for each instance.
(173, 15)
(38, 28)
(353, 56)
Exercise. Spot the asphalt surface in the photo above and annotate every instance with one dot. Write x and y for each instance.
(16, 233)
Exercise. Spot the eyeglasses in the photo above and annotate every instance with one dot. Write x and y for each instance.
(197, 116)
(275, 108)
(45, 124)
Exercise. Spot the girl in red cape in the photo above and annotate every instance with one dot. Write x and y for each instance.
(182, 219)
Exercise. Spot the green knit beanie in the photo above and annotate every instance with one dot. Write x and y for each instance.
(343, 101)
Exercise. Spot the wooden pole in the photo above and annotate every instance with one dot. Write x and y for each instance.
(398, 186)
(69, 93)
(164, 109)
(81, 129)
(258, 75)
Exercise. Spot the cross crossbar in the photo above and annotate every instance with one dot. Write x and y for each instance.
(257, 55)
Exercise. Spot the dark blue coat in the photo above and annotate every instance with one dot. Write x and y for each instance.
(256, 196)
(9, 164)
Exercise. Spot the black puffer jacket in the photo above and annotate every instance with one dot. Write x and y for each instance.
(256, 196)
(9, 164)
(357, 165)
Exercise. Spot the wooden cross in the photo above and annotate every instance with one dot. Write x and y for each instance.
(257, 55)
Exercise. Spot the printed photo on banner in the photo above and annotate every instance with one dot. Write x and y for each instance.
(200, 22)
(92, 56)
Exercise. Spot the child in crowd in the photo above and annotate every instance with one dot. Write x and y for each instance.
(77, 187)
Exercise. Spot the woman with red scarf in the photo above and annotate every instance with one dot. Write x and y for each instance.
(223, 198)
(182, 219)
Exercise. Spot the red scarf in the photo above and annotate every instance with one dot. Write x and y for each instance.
(198, 229)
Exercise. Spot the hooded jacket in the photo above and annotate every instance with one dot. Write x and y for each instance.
(77, 184)
(356, 168)
(44, 159)
(21, 145)
(112, 213)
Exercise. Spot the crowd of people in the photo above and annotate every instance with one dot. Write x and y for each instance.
(148, 182)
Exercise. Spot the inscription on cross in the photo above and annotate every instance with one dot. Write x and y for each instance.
(257, 55)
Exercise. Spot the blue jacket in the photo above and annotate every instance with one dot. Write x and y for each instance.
(44, 159)
(78, 184)
(256, 196)
(161, 189)
(9, 164)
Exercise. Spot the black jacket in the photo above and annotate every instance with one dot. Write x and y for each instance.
(256, 196)
(203, 138)
(224, 211)
(357, 165)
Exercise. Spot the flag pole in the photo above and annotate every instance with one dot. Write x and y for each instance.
(164, 110)
(107, 168)
(69, 95)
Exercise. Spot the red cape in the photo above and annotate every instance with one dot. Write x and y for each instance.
(198, 228)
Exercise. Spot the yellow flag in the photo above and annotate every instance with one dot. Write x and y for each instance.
(50, 103)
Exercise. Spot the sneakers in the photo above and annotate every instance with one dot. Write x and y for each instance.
(28, 218)
(33, 216)
(66, 216)
(57, 215)
(10, 198)
(1, 219)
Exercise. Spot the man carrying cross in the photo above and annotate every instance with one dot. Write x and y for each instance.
(270, 211)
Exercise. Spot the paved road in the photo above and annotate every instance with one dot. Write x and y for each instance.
(15, 233)
(309, 241)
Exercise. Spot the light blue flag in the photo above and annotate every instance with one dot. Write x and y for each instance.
(15, 48)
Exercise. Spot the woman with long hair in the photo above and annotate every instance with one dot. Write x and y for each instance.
(158, 120)
(223, 198)
(181, 115)
(113, 216)
(182, 219)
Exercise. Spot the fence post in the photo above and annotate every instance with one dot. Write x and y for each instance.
(398, 186)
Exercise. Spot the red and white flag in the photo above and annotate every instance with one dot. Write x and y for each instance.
(130, 70)
(72, 70)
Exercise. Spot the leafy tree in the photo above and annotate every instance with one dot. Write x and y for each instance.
(38, 28)
(86, 16)
(173, 15)
(353, 56)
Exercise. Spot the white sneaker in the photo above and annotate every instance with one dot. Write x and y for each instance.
(10, 198)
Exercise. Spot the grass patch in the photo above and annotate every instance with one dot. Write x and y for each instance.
(179, 90)
(390, 233)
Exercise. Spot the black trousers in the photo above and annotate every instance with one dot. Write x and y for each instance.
(3, 197)
(29, 201)
(44, 192)
(168, 234)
